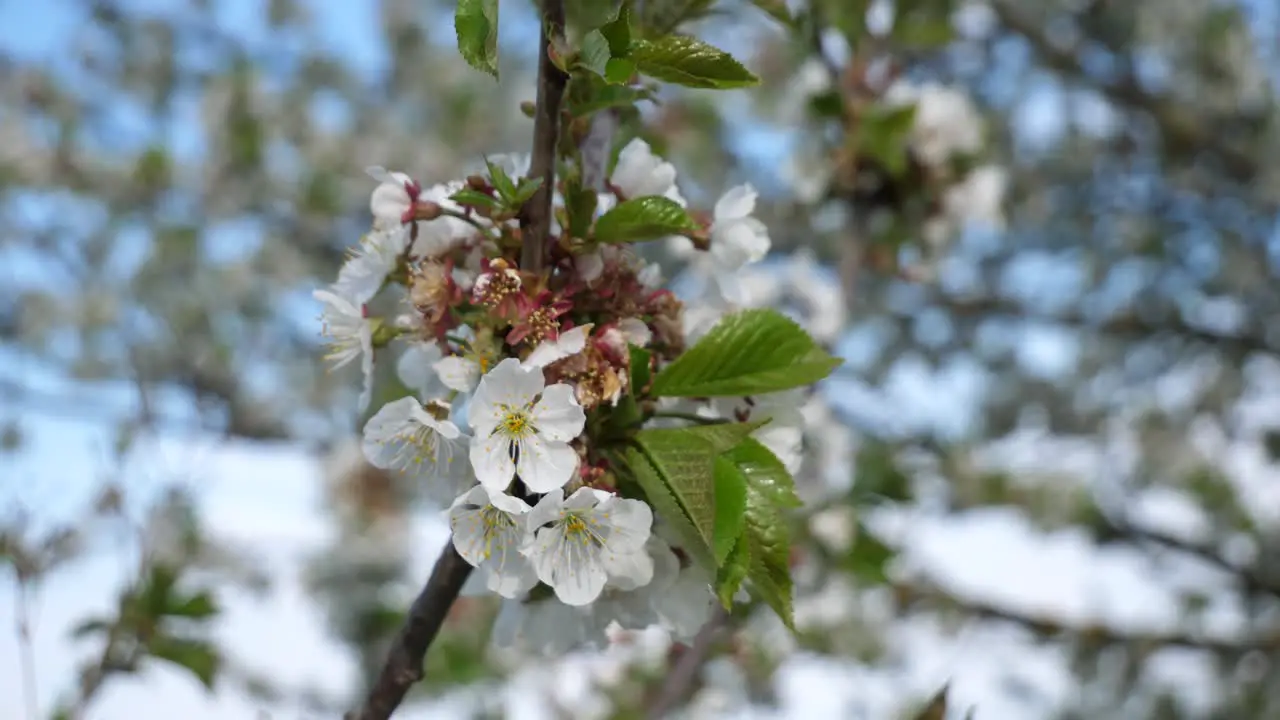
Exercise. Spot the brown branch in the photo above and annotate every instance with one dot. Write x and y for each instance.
(1047, 627)
(680, 680)
(535, 222)
(404, 663)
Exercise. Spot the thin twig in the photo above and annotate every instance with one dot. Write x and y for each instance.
(404, 663)
(535, 221)
(1252, 580)
(26, 648)
(679, 682)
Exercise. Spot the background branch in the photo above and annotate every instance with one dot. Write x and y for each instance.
(680, 680)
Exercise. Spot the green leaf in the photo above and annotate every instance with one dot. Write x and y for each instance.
(618, 32)
(688, 61)
(590, 93)
(198, 606)
(526, 189)
(502, 182)
(684, 460)
(594, 53)
(643, 218)
(747, 353)
(732, 572)
(883, 135)
(658, 493)
(769, 545)
(476, 22)
(776, 9)
(619, 71)
(730, 505)
(198, 657)
(641, 371)
(474, 198)
(587, 14)
(765, 472)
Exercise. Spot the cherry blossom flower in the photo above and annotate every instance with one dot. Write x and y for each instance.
(362, 275)
(408, 437)
(524, 428)
(583, 540)
(640, 173)
(392, 201)
(488, 531)
(350, 334)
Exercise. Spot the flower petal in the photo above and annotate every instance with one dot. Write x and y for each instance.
(547, 510)
(491, 460)
(737, 202)
(511, 384)
(635, 331)
(570, 342)
(385, 432)
(457, 373)
(628, 571)
(466, 519)
(513, 578)
(415, 368)
(569, 566)
(544, 465)
(630, 522)
(557, 415)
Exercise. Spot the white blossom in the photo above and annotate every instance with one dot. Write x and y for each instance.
(685, 605)
(582, 541)
(737, 239)
(978, 198)
(445, 233)
(635, 331)
(416, 369)
(783, 434)
(946, 123)
(640, 173)
(418, 440)
(522, 427)
(569, 343)
(350, 336)
(545, 627)
(392, 199)
(377, 255)
(488, 532)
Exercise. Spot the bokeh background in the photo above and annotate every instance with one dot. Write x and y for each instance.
(1045, 477)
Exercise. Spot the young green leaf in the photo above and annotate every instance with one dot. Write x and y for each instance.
(765, 472)
(618, 32)
(688, 61)
(526, 189)
(657, 492)
(474, 198)
(747, 353)
(732, 572)
(502, 182)
(476, 22)
(641, 372)
(594, 53)
(643, 218)
(684, 459)
(731, 505)
(619, 71)
(765, 537)
(197, 606)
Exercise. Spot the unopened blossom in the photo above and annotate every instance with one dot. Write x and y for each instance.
(364, 272)
(569, 342)
(350, 335)
(421, 441)
(392, 201)
(584, 539)
(489, 530)
(524, 428)
(640, 173)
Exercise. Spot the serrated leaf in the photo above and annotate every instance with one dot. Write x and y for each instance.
(664, 502)
(526, 189)
(619, 71)
(684, 459)
(688, 61)
(200, 658)
(732, 572)
(502, 182)
(765, 472)
(643, 218)
(730, 507)
(769, 545)
(474, 198)
(641, 372)
(747, 353)
(476, 22)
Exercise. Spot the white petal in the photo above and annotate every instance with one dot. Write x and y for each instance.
(336, 303)
(544, 465)
(569, 343)
(510, 384)
(466, 519)
(631, 522)
(557, 415)
(415, 368)
(513, 579)
(366, 365)
(457, 373)
(586, 497)
(382, 441)
(491, 461)
(589, 266)
(568, 566)
(388, 204)
(547, 510)
(507, 503)
(628, 571)
(651, 276)
(635, 331)
(736, 203)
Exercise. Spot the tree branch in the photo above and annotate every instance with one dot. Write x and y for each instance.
(404, 663)
(1249, 577)
(536, 215)
(679, 682)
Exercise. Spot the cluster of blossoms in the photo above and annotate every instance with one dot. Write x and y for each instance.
(514, 375)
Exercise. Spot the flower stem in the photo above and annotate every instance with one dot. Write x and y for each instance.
(469, 219)
(535, 216)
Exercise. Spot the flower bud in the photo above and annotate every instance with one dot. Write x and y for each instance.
(427, 210)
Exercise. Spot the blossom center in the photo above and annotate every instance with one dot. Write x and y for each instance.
(577, 529)
(515, 423)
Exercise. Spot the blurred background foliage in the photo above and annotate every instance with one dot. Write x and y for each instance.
(175, 177)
